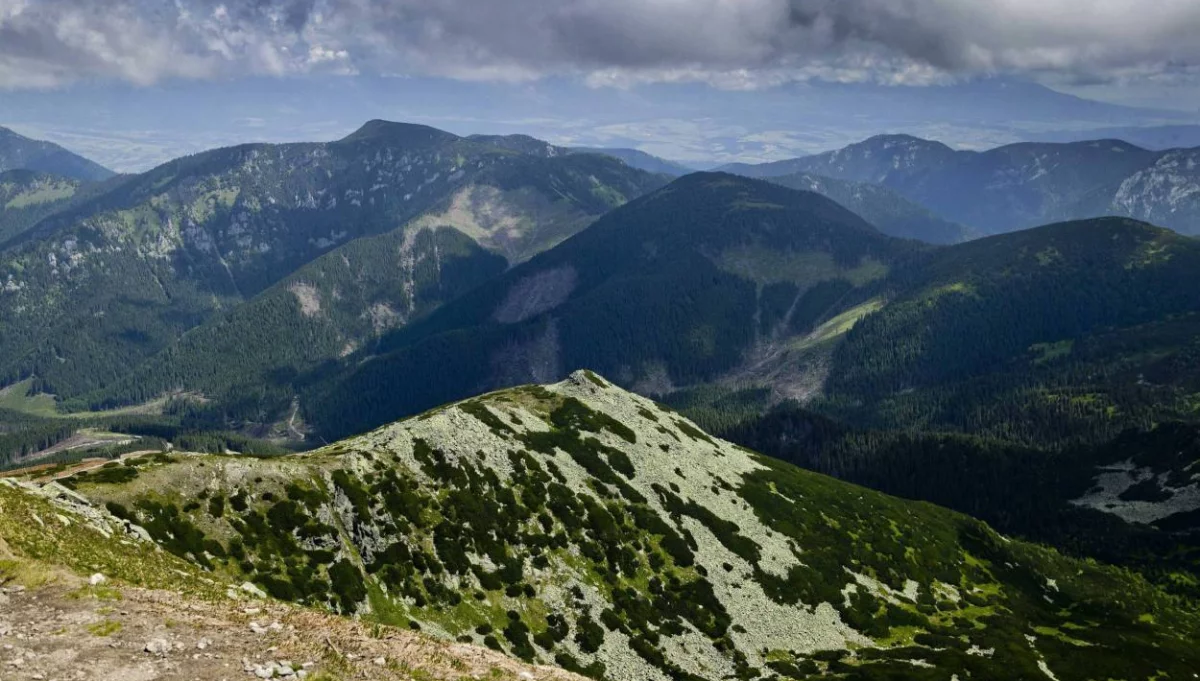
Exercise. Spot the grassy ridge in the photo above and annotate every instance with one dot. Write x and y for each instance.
(581, 525)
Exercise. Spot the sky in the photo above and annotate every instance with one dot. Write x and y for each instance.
(133, 83)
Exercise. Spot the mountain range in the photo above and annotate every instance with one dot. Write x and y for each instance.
(995, 356)
(194, 256)
(712, 280)
(887, 210)
(170, 248)
(845, 312)
(1020, 185)
(721, 280)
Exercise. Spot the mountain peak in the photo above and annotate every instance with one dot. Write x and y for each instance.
(689, 258)
(707, 190)
(1112, 143)
(898, 137)
(409, 134)
(901, 139)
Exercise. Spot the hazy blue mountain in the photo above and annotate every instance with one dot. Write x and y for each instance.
(1157, 137)
(1020, 185)
(526, 144)
(874, 160)
(640, 160)
(884, 208)
(523, 144)
(18, 152)
(135, 129)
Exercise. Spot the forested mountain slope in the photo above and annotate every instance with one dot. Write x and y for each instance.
(1046, 381)
(95, 595)
(27, 196)
(580, 524)
(675, 288)
(251, 357)
(1133, 501)
(1063, 333)
(19, 152)
(93, 291)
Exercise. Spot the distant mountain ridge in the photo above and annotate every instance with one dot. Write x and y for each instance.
(1154, 137)
(19, 152)
(884, 208)
(634, 158)
(639, 159)
(1019, 185)
(93, 290)
(524, 144)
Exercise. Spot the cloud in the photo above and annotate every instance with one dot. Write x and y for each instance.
(733, 44)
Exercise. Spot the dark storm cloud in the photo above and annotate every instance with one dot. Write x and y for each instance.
(739, 42)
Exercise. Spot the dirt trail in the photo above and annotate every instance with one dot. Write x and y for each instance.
(45, 472)
(68, 629)
(81, 440)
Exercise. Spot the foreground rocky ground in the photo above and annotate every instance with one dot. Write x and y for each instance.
(66, 628)
(70, 609)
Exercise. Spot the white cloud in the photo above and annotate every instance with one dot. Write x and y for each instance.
(732, 44)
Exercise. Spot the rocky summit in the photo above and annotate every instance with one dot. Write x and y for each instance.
(580, 525)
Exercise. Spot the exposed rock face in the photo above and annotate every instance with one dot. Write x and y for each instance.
(308, 298)
(537, 293)
(1167, 193)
